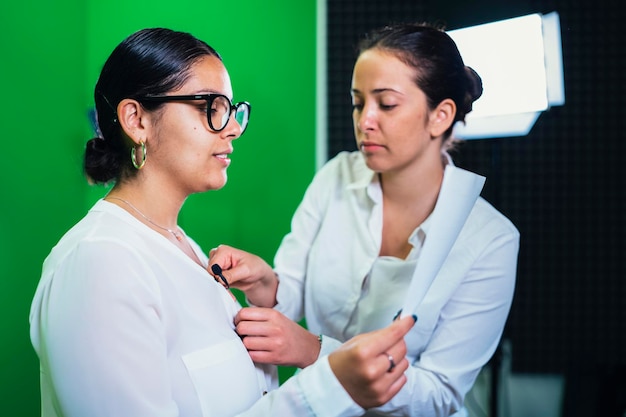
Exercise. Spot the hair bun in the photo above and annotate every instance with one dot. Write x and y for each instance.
(474, 82)
(100, 162)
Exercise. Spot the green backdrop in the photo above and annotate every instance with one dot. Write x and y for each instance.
(52, 53)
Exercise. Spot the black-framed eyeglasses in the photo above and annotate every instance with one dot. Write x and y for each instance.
(219, 108)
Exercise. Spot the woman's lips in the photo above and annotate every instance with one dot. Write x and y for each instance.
(223, 158)
(370, 146)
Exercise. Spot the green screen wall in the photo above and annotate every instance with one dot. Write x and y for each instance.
(52, 53)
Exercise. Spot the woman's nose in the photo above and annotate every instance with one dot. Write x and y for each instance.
(367, 119)
(233, 129)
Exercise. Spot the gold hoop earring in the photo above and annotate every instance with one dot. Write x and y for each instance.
(133, 156)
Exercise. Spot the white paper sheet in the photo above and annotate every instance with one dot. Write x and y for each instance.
(459, 191)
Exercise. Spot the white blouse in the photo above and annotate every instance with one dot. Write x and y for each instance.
(125, 324)
(330, 272)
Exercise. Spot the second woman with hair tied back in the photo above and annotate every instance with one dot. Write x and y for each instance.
(359, 231)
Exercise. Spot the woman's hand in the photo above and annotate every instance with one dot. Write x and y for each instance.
(272, 338)
(246, 272)
(364, 368)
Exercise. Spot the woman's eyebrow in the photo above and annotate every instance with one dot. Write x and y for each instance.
(376, 90)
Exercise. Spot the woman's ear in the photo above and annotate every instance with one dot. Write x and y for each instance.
(442, 117)
(131, 116)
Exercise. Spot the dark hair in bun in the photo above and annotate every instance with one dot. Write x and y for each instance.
(441, 73)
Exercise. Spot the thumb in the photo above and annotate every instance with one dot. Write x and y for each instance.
(391, 334)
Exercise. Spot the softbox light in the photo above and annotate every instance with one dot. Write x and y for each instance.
(520, 63)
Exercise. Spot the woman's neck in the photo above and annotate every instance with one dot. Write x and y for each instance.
(418, 183)
(146, 203)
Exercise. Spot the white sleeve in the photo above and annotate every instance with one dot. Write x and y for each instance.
(290, 262)
(107, 353)
(328, 345)
(314, 391)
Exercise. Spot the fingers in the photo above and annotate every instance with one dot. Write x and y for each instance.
(255, 314)
(363, 364)
(222, 255)
(392, 362)
(257, 329)
(396, 380)
(258, 333)
(389, 382)
(385, 339)
(232, 263)
(393, 356)
(263, 328)
(399, 328)
(240, 267)
(271, 337)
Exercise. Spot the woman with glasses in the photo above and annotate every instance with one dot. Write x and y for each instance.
(357, 236)
(126, 319)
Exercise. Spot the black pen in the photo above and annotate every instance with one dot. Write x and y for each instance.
(217, 270)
